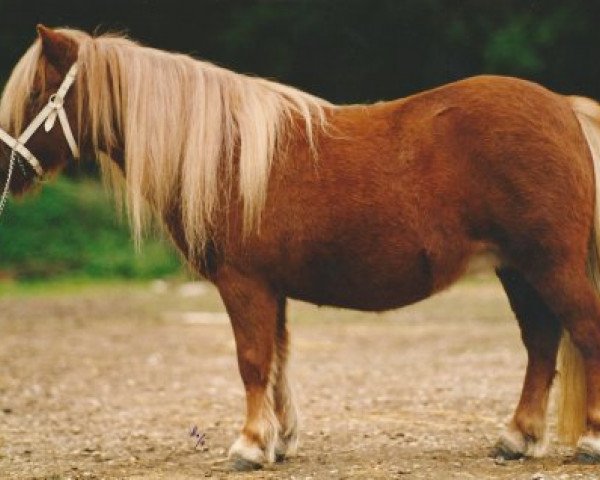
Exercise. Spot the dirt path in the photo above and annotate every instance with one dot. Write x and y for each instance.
(106, 384)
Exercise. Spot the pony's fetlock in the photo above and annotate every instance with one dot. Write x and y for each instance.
(513, 444)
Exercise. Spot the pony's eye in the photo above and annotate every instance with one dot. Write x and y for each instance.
(34, 95)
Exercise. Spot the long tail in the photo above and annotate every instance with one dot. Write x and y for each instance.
(572, 408)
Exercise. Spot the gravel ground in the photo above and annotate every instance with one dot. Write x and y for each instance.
(106, 383)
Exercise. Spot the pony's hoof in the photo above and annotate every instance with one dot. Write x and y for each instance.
(505, 452)
(279, 457)
(588, 451)
(286, 447)
(241, 464)
(280, 450)
(510, 446)
(586, 458)
(244, 455)
(513, 445)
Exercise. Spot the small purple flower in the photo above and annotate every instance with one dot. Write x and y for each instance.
(200, 436)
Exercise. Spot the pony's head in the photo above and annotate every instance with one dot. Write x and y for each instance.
(36, 77)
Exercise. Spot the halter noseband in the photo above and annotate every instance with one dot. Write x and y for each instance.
(53, 109)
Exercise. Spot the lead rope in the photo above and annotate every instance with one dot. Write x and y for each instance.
(11, 167)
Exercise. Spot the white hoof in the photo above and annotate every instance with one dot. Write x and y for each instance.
(513, 445)
(246, 455)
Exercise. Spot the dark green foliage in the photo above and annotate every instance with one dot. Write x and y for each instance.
(71, 229)
(346, 50)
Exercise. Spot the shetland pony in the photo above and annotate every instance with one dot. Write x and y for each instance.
(272, 193)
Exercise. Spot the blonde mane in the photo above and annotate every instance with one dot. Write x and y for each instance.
(188, 128)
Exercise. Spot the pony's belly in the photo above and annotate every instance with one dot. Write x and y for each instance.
(364, 286)
(360, 298)
(382, 281)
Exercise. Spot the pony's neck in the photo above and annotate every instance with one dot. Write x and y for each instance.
(175, 126)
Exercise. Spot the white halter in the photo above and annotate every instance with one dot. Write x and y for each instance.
(53, 109)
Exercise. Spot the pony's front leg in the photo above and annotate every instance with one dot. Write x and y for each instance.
(253, 309)
(285, 405)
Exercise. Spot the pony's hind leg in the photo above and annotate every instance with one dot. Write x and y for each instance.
(570, 294)
(253, 309)
(285, 405)
(540, 331)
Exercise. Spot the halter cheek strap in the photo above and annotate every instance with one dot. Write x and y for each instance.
(54, 109)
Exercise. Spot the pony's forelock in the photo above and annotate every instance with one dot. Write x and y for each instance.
(17, 90)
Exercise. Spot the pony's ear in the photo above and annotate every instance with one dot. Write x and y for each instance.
(58, 48)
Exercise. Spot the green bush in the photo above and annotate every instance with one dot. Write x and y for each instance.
(71, 229)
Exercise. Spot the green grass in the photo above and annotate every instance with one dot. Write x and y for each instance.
(71, 230)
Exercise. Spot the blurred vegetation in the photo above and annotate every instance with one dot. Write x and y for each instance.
(347, 51)
(71, 229)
